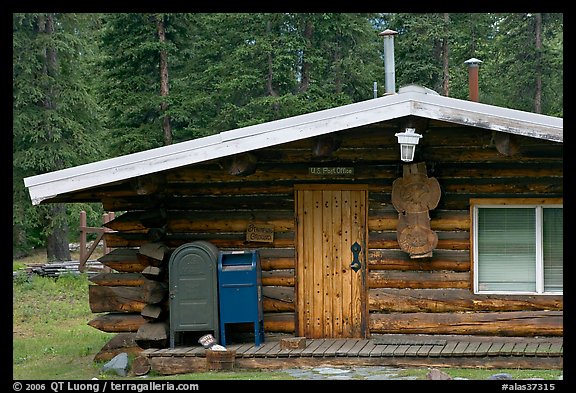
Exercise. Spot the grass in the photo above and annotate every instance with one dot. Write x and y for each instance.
(52, 341)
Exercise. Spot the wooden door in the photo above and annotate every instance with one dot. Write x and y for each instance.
(330, 295)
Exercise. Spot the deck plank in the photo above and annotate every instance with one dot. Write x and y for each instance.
(424, 350)
(345, 349)
(401, 350)
(413, 350)
(483, 349)
(319, 352)
(531, 349)
(263, 349)
(355, 350)
(331, 351)
(249, 350)
(389, 350)
(449, 348)
(436, 350)
(519, 348)
(365, 352)
(495, 349)
(460, 349)
(555, 349)
(506, 349)
(377, 350)
(543, 349)
(309, 350)
(471, 348)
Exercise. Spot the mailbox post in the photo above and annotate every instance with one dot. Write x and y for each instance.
(240, 291)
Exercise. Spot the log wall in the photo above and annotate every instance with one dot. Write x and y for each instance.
(428, 296)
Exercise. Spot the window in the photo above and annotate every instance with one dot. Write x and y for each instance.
(517, 247)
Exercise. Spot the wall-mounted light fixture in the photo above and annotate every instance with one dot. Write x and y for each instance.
(408, 141)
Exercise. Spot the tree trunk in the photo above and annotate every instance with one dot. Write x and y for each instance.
(56, 221)
(57, 248)
(538, 38)
(166, 127)
(445, 64)
(305, 79)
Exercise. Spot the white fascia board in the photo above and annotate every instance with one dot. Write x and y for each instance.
(490, 117)
(224, 144)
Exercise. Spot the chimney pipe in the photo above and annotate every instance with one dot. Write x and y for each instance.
(473, 65)
(389, 67)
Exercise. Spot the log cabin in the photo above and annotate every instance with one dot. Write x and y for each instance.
(464, 239)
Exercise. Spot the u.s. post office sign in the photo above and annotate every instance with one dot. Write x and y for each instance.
(335, 171)
(260, 233)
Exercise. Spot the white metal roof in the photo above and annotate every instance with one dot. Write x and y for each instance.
(410, 100)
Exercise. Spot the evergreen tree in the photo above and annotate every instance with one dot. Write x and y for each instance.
(142, 83)
(55, 120)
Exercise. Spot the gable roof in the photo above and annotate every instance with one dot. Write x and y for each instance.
(410, 100)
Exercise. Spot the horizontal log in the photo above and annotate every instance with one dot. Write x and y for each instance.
(452, 240)
(277, 263)
(137, 220)
(440, 220)
(514, 323)
(275, 305)
(490, 171)
(115, 299)
(283, 278)
(220, 240)
(456, 300)
(278, 299)
(153, 335)
(118, 279)
(455, 260)
(506, 186)
(173, 365)
(228, 221)
(279, 322)
(122, 259)
(458, 201)
(158, 252)
(117, 322)
(418, 279)
(119, 343)
(277, 258)
(152, 312)
(125, 298)
(531, 154)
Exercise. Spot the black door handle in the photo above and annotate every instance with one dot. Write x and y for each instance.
(356, 265)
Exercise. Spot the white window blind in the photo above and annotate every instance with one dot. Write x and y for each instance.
(519, 249)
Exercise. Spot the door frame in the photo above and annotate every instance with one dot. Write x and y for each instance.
(299, 292)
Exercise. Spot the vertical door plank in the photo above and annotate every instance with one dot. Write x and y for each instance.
(317, 277)
(327, 262)
(336, 264)
(346, 260)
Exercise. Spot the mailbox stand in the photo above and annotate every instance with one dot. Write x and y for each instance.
(240, 291)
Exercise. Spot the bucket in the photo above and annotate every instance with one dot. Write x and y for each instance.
(220, 360)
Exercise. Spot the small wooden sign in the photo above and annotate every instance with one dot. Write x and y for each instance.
(336, 171)
(260, 233)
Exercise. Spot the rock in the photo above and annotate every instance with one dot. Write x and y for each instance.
(118, 365)
(500, 376)
(437, 375)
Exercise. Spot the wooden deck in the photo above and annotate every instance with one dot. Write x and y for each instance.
(393, 350)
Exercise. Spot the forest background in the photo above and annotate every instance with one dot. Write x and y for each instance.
(92, 86)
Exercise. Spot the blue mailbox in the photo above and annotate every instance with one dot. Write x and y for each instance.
(240, 291)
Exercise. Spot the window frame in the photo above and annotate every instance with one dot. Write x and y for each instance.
(538, 204)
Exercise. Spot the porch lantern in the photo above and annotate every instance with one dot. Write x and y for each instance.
(408, 141)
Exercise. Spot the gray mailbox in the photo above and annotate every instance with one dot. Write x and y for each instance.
(240, 291)
(193, 289)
